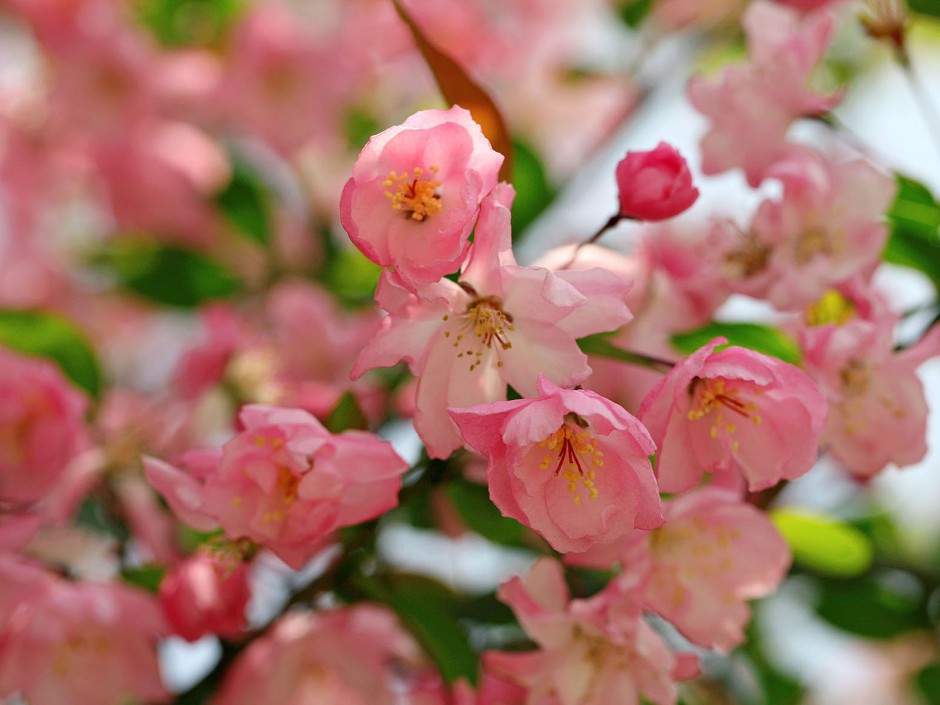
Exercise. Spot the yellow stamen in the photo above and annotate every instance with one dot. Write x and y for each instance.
(573, 444)
(417, 196)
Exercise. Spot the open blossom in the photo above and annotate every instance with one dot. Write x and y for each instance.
(415, 193)
(733, 410)
(570, 464)
(502, 324)
(284, 482)
(355, 656)
(81, 643)
(752, 105)
(42, 427)
(596, 651)
(654, 185)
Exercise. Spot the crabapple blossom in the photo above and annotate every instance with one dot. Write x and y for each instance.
(733, 410)
(591, 652)
(415, 193)
(655, 184)
(569, 464)
(42, 427)
(283, 482)
(501, 324)
(751, 106)
(353, 656)
(82, 643)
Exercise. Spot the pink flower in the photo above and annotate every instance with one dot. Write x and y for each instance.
(654, 185)
(570, 464)
(42, 427)
(415, 193)
(206, 595)
(751, 106)
(284, 482)
(355, 656)
(735, 409)
(591, 652)
(82, 643)
(502, 324)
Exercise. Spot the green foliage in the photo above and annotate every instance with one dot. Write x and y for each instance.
(169, 274)
(346, 415)
(472, 502)
(147, 577)
(823, 544)
(754, 336)
(188, 22)
(48, 335)
(352, 277)
(601, 346)
(872, 606)
(359, 126)
(534, 191)
(928, 683)
(633, 12)
(244, 203)
(926, 7)
(915, 220)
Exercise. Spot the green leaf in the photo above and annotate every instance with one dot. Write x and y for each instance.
(188, 22)
(633, 12)
(823, 544)
(872, 607)
(473, 503)
(428, 609)
(244, 203)
(927, 7)
(352, 277)
(601, 346)
(534, 192)
(928, 683)
(754, 336)
(359, 126)
(346, 415)
(146, 577)
(170, 275)
(915, 219)
(48, 335)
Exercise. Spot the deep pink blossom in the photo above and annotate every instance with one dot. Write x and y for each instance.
(415, 193)
(42, 427)
(569, 464)
(733, 410)
(654, 185)
(283, 482)
(591, 652)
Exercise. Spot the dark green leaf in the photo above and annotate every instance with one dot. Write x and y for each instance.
(824, 544)
(928, 683)
(633, 12)
(146, 577)
(914, 240)
(485, 609)
(763, 339)
(534, 192)
(50, 336)
(871, 607)
(171, 275)
(244, 203)
(927, 7)
(473, 503)
(346, 415)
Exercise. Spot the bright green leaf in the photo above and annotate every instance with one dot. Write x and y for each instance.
(244, 203)
(48, 335)
(534, 191)
(170, 275)
(823, 544)
(754, 336)
(188, 22)
(352, 277)
(915, 219)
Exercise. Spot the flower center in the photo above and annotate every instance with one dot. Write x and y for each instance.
(417, 196)
(832, 307)
(750, 257)
(712, 395)
(488, 323)
(575, 456)
(811, 243)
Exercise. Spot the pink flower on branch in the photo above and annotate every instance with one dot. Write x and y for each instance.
(415, 193)
(734, 410)
(570, 464)
(655, 184)
(284, 482)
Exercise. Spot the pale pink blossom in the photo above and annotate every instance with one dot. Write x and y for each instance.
(415, 193)
(354, 656)
(751, 106)
(594, 651)
(826, 229)
(42, 427)
(730, 411)
(569, 464)
(283, 482)
(502, 324)
(206, 594)
(655, 184)
(82, 643)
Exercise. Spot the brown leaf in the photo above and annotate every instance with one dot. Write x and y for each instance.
(459, 89)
